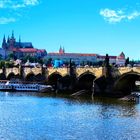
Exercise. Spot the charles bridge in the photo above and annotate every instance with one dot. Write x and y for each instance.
(123, 77)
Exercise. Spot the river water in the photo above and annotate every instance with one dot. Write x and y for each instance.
(32, 117)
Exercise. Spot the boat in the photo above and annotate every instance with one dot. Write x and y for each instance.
(137, 83)
(24, 86)
(136, 93)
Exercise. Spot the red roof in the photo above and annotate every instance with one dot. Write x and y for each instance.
(41, 51)
(71, 54)
(28, 50)
(14, 49)
(121, 56)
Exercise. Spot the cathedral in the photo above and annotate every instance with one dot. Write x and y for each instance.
(20, 49)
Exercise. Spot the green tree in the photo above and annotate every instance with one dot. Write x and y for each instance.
(9, 64)
(11, 56)
(0, 57)
(48, 62)
(2, 64)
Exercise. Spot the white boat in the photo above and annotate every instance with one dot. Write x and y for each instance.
(20, 86)
(137, 83)
(136, 93)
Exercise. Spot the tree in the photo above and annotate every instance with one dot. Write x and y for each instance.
(2, 64)
(9, 64)
(11, 56)
(0, 57)
(49, 62)
(132, 62)
(40, 61)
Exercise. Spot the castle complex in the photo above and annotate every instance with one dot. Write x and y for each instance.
(19, 49)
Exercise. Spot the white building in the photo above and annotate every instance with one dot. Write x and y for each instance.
(78, 58)
(112, 59)
(83, 58)
(118, 60)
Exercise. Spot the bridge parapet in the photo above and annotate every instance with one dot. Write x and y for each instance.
(35, 71)
(98, 72)
(116, 72)
(13, 70)
(122, 70)
(136, 69)
(62, 71)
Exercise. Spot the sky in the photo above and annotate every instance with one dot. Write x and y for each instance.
(80, 26)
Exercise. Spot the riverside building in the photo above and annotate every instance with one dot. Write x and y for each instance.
(78, 58)
(85, 58)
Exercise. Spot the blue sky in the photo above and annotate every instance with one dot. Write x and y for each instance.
(86, 26)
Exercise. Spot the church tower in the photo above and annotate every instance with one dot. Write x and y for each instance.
(4, 44)
(61, 51)
(12, 41)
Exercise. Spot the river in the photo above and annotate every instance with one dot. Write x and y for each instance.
(31, 117)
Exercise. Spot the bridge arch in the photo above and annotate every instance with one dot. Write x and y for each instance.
(30, 77)
(66, 81)
(100, 84)
(12, 75)
(54, 78)
(126, 82)
(39, 77)
(85, 80)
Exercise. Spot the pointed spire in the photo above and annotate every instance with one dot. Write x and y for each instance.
(8, 39)
(63, 49)
(12, 34)
(60, 50)
(4, 43)
(4, 40)
(19, 39)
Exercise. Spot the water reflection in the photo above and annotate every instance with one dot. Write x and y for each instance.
(29, 116)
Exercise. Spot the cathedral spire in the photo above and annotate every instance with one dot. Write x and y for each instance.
(8, 39)
(60, 49)
(4, 43)
(63, 50)
(19, 39)
(4, 40)
(12, 34)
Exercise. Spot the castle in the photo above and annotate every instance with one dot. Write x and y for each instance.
(19, 49)
(83, 58)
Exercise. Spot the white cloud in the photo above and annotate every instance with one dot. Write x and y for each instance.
(10, 4)
(113, 16)
(4, 20)
(16, 8)
(31, 2)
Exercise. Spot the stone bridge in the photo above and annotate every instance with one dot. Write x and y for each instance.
(26, 71)
(124, 77)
